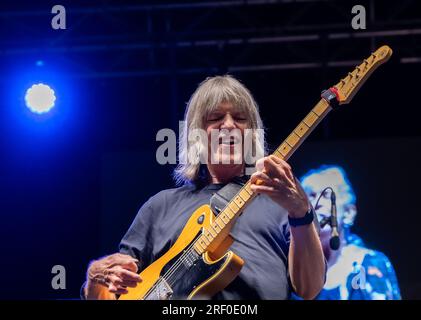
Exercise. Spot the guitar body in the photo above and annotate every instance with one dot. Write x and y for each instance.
(176, 275)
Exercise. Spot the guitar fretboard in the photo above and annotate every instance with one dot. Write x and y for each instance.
(211, 237)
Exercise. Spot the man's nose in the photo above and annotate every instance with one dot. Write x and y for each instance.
(228, 122)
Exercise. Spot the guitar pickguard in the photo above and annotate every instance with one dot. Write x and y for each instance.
(182, 275)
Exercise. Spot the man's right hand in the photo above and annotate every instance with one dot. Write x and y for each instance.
(116, 272)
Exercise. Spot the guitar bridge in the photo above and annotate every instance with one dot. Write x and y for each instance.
(161, 291)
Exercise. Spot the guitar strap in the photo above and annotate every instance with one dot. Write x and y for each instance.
(222, 197)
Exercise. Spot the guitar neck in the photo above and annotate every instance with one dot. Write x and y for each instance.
(219, 229)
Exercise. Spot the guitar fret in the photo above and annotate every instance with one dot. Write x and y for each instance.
(224, 218)
(247, 189)
(229, 212)
(321, 107)
(310, 119)
(233, 206)
(278, 154)
(200, 250)
(213, 234)
(204, 240)
(292, 139)
(215, 227)
(207, 234)
(201, 246)
(242, 199)
(284, 148)
(219, 222)
(301, 130)
(244, 194)
(238, 201)
(203, 243)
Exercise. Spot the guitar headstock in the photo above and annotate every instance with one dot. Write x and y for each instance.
(349, 86)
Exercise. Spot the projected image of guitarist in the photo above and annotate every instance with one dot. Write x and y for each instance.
(274, 256)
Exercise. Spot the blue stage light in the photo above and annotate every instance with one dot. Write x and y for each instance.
(40, 98)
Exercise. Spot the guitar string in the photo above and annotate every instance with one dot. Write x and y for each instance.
(183, 258)
(172, 269)
(171, 278)
(160, 279)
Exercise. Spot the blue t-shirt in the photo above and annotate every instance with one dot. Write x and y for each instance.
(361, 274)
(261, 238)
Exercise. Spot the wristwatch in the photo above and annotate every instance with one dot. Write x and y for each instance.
(307, 219)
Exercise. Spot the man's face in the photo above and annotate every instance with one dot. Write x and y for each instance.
(314, 186)
(225, 130)
(323, 207)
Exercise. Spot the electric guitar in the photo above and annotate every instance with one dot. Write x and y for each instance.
(199, 263)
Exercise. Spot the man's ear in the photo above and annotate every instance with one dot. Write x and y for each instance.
(350, 211)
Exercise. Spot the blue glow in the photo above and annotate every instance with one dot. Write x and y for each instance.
(40, 98)
(39, 63)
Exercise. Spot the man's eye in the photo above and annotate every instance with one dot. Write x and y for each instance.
(215, 118)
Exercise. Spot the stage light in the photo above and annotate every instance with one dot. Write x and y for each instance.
(40, 98)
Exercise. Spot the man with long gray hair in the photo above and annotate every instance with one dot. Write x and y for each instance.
(277, 234)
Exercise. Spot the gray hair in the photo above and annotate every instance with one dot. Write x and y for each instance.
(333, 176)
(208, 96)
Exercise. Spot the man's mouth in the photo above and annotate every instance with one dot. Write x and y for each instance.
(228, 141)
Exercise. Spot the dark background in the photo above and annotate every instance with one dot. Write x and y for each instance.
(71, 181)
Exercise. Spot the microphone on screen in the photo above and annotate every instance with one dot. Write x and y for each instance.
(334, 236)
